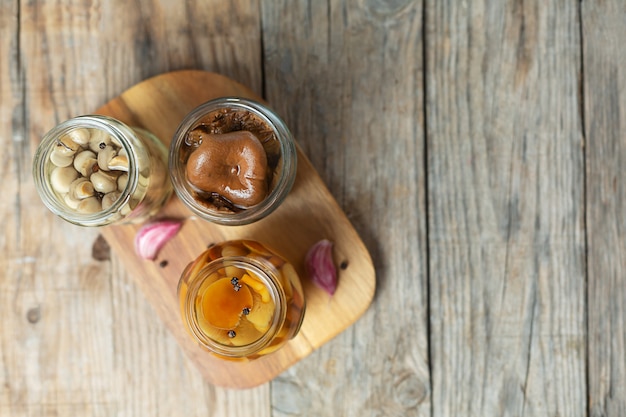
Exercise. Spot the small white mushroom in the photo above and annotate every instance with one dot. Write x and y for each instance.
(105, 156)
(71, 201)
(103, 181)
(89, 205)
(80, 136)
(115, 142)
(84, 162)
(99, 140)
(81, 188)
(122, 151)
(60, 160)
(61, 178)
(119, 163)
(122, 180)
(109, 199)
(66, 146)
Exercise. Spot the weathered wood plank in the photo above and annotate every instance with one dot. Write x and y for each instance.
(506, 208)
(605, 110)
(77, 338)
(347, 77)
(505, 203)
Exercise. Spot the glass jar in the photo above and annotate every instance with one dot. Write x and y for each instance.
(94, 170)
(232, 161)
(240, 300)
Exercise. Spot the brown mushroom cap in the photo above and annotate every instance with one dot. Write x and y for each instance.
(233, 165)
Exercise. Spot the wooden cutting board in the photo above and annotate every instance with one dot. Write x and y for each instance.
(309, 214)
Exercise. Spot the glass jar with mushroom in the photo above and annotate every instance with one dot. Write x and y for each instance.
(95, 170)
(233, 161)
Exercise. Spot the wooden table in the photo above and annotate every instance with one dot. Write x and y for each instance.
(475, 146)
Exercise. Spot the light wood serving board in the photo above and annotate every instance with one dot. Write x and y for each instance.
(309, 213)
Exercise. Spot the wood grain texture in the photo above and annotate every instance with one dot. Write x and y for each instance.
(605, 112)
(347, 77)
(470, 195)
(506, 208)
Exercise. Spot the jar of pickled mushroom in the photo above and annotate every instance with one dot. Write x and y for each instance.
(232, 161)
(240, 300)
(95, 170)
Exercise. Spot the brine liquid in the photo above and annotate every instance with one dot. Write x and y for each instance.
(233, 305)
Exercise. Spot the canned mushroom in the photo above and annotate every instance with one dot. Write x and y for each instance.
(95, 170)
(232, 161)
(241, 300)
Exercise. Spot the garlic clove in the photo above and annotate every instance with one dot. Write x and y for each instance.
(320, 267)
(262, 312)
(153, 236)
(288, 275)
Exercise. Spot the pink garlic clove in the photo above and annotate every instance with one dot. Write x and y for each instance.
(320, 266)
(153, 236)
